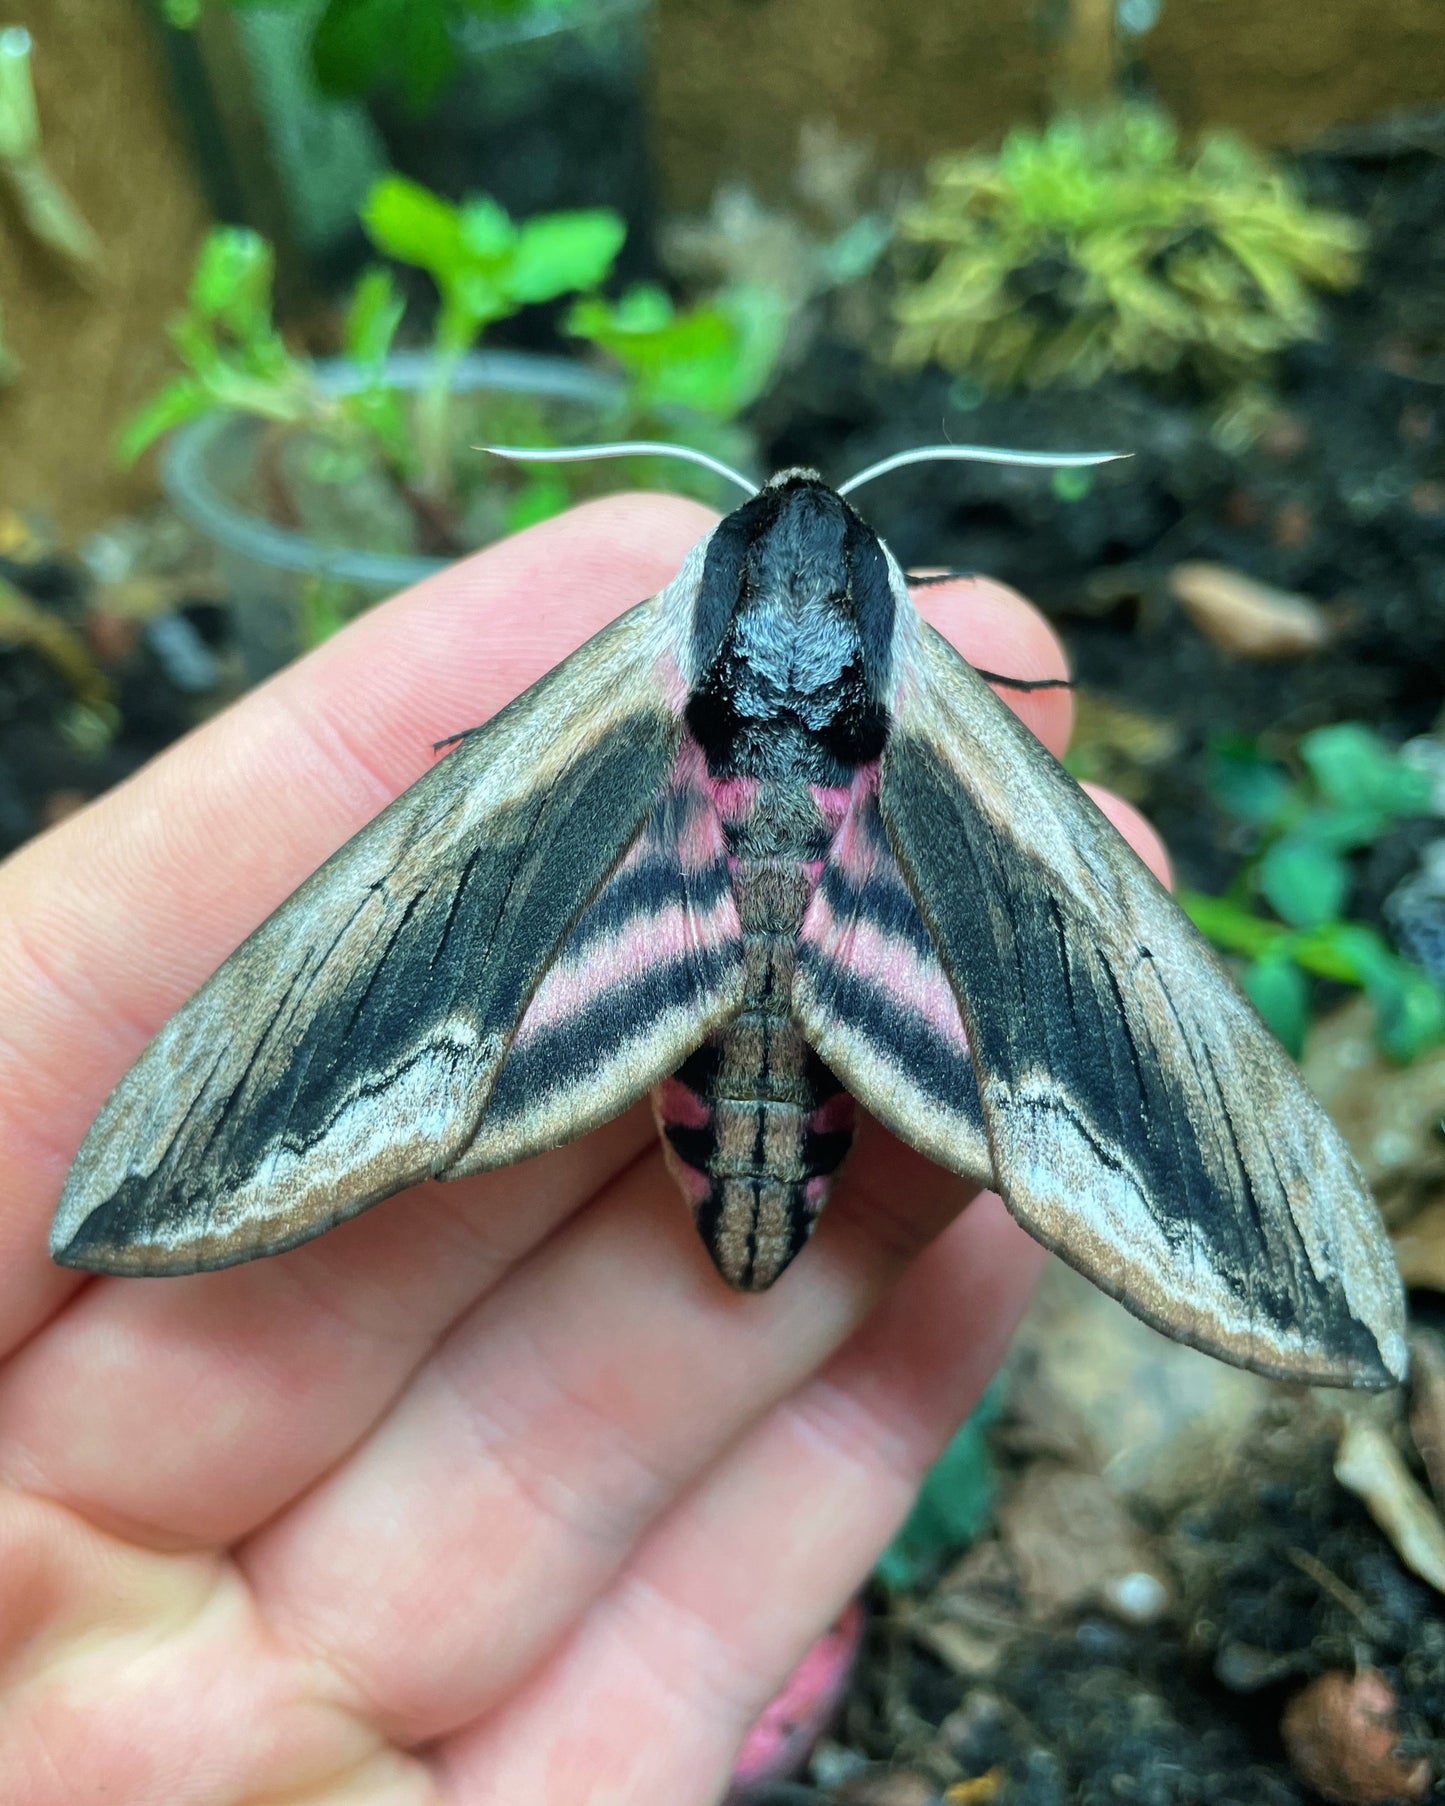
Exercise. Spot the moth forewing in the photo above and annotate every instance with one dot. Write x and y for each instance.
(1142, 1120)
(349, 1046)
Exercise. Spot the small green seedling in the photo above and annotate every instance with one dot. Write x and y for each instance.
(486, 267)
(378, 459)
(1286, 913)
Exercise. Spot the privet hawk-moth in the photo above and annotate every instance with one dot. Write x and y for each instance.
(763, 846)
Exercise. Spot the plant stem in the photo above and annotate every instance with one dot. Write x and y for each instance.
(1087, 77)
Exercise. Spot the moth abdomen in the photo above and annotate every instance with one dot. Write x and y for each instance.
(757, 1171)
(754, 1124)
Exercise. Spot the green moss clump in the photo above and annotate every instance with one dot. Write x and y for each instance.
(1100, 246)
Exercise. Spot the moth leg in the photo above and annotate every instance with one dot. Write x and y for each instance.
(1026, 683)
(920, 581)
(454, 739)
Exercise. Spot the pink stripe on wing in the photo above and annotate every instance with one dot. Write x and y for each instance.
(889, 963)
(669, 933)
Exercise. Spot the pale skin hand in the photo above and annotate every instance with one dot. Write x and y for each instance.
(494, 1494)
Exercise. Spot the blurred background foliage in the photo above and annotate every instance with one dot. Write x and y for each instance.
(272, 270)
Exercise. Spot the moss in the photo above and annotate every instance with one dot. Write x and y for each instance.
(1101, 246)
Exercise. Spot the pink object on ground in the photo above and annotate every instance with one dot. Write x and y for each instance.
(803, 1710)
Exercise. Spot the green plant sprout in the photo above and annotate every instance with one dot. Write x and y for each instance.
(486, 267)
(703, 364)
(1285, 912)
(43, 206)
(237, 362)
(682, 371)
(1099, 246)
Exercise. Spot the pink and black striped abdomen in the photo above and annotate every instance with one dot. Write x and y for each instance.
(754, 1123)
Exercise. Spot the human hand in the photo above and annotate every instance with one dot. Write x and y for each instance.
(495, 1493)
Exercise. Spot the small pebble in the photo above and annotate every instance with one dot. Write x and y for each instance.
(1246, 617)
(1137, 1598)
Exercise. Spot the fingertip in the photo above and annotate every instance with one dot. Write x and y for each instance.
(1137, 830)
(997, 630)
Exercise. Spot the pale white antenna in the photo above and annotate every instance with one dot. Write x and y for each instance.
(979, 454)
(654, 448)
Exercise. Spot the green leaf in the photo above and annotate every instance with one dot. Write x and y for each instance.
(408, 222)
(1279, 990)
(231, 283)
(712, 359)
(181, 399)
(952, 1507)
(1071, 485)
(645, 307)
(428, 53)
(359, 45)
(487, 229)
(354, 44)
(1356, 769)
(1343, 951)
(1338, 826)
(1409, 1006)
(1242, 780)
(372, 319)
(477, 298)
(761, 315)
(1229, 925)
(561, 252)
(1304, 883)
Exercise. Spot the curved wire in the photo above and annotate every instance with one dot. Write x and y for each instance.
(530, 454)
(978, 454)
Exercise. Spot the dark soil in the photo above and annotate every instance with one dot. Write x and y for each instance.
(1279, 1577)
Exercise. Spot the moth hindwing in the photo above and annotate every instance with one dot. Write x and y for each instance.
(764, 846)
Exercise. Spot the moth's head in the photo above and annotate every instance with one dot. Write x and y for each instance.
(799, 535)
(794, 551)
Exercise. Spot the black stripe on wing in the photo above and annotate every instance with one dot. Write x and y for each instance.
(874, 1000)
(652, 966)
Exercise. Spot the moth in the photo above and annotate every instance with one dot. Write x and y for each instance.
(764, 846)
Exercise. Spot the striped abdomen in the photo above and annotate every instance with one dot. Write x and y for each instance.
(754, 1123)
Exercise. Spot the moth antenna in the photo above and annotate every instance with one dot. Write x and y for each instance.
(979, 454)
(576, 454)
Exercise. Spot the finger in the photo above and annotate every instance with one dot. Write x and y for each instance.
(240, 1388)
(650, 1699)
(558, 1420)
(997, 630)
(1137, 830)
(131, 1676)
(110, 921)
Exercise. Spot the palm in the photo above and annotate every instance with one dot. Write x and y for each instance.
(495, 1493)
